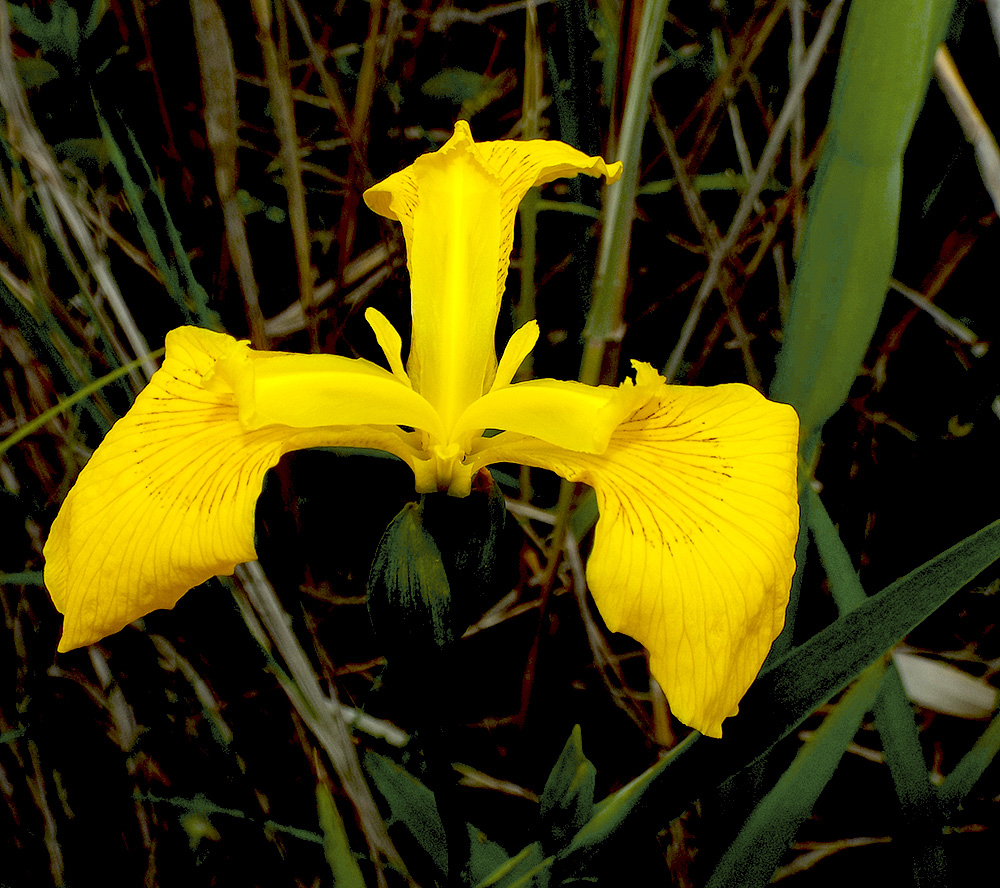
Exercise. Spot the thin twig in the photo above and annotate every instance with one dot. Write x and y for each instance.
(334, 98)
(218, 87)
(710, 238)
(764, 168)
(944, 320)
(291, 172)
(971, 121)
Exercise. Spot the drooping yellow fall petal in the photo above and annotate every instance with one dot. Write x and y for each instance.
(694, 548)
(457, 208)
(167, 500)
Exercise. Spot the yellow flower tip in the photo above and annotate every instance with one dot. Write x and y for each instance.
(461, 137)
(647, 377)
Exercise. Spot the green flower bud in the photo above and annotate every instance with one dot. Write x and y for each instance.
(433, 569)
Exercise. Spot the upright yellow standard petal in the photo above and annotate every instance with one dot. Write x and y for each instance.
(167, 500)
(451, 202)
(694, 548)
(457, 208)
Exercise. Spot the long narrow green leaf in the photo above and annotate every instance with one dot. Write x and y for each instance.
(567, 801)
(485, 857)
(133, 193)
(196, 295)
(919, 800)
(754, 856)
(610, 813)
(336, 847)
(850, 236)
(894, 718)
(844, 583)
(959, 783)
(809, 675)
(42, 334)
(527, 868)
(189, 296)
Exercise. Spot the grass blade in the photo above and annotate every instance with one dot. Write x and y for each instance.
(849, 243)
(754, 856)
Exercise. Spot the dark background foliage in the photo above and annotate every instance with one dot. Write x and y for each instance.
(171, 755)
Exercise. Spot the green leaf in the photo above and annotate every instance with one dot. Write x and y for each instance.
(97, 10)
(485, 857)
(845, 587)
(605, 315)
(411, 804)
(34, 71)
(567, 801)
(456, 84)
(189, 296)
(610, 813)
(849, 243)
(752, 858)
(61, 33)
(809, 675)
(336, 848)
(919, 799)
(28, 23)
(528, 869)
(893, 716)
(959, 783)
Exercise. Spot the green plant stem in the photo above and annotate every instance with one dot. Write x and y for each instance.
(604, 323)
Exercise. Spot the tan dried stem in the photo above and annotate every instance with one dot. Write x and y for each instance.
(57, 204)
(218, 88)
(279, 86)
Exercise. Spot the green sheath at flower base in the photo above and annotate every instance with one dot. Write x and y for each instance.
(433, 571)
(693, 551)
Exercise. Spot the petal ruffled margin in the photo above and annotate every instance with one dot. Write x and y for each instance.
(694, 548)
(167, 500)
(457, 208)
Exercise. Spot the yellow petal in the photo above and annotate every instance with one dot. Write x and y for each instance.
(311, 391)
(523, 165)
(517, 349)
(450, 202)
(694, 548)
(570, 414)
(167, 500)
(390, 342)
(457, 208)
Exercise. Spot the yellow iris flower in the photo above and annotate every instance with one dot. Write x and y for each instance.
(693, 550)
